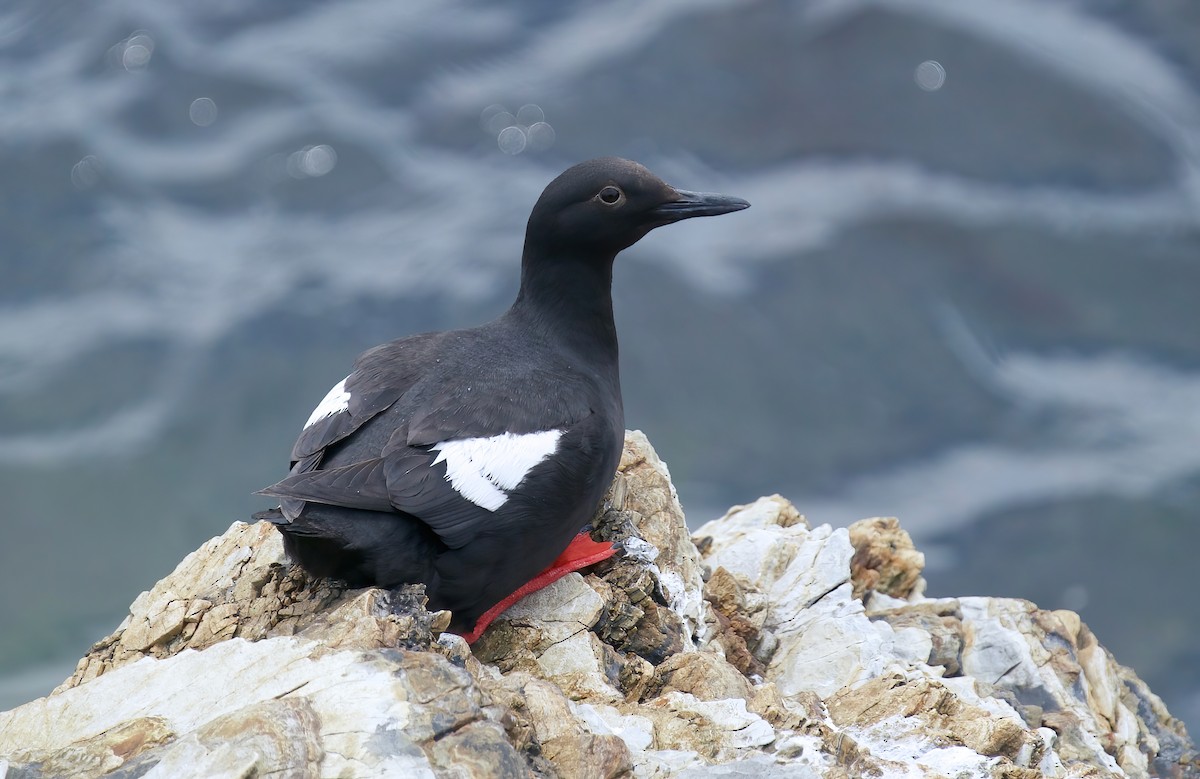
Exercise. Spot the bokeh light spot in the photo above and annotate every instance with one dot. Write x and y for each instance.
(136, 50)
(86, 173)
(530, 114)
(528, 130)
(203, 111)
(485, 116)
(930, 75)
(541, 136)
(511, 140)
(499, 121)
(1075, 597)
(319, 160)
(311, 161)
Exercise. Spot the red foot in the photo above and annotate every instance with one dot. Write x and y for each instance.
(580, 553)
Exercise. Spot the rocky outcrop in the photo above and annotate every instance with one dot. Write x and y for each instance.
(757, 646)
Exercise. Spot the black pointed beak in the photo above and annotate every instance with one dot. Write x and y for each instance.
(692, 204)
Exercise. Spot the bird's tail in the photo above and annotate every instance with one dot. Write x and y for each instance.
(274, 516)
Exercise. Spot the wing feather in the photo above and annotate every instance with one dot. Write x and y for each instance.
(359, 486)
(378, 451)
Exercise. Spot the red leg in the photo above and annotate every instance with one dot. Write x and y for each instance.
(580, 553)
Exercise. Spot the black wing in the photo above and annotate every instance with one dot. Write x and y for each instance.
(409, 482)
(380, 377)
(378, 454)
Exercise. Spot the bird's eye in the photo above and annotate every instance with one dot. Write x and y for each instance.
(610, 196)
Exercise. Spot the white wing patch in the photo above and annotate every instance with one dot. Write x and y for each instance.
(482, 469)
(337, 400)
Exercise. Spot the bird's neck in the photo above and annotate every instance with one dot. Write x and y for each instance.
(569, 299)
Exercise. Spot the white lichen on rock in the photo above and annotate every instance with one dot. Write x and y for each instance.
(764, 647)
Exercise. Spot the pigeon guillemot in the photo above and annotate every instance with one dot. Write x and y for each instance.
(470, 460)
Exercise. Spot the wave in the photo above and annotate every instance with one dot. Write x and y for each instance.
(1125, 427)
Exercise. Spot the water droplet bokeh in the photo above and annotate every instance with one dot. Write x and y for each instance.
(86, 173)
(511, 140)
(485, 116)
(541, 136)
(311, 161)
(203, 111)
(528, 130)
(499, 121)
(530, 114)
(930, 75)
(136, 50)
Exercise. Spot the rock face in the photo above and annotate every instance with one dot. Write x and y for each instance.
(763, 647)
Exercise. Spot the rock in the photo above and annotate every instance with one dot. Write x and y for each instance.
(885, 559)
(1049, 659)
(717, 730)
(548, 634)
(239, 585)
(286, 704)
(798, 590)
(780, 650)
(704, 675)
(921, 716)
(571, 746)
(739, 638)
(642, 512)
(941, 621)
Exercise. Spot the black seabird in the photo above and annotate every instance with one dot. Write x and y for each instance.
(470, 459)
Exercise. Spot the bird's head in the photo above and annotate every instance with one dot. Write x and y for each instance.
(608, 204)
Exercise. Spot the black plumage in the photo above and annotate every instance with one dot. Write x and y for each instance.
(469, 459)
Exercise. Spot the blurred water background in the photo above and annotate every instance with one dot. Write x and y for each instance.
(968, 292)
